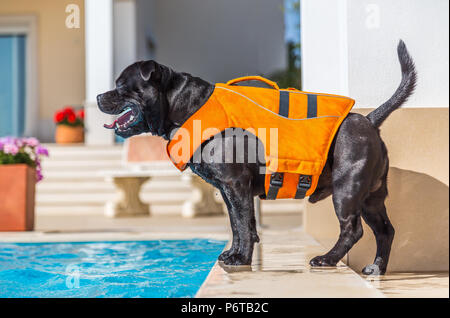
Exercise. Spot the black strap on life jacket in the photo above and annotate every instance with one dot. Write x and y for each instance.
(283, 110)
(303, 185)
(276, 182)
(312, 106)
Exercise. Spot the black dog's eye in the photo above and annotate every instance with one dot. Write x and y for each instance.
(121, 89)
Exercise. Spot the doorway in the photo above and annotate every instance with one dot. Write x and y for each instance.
(12, 84)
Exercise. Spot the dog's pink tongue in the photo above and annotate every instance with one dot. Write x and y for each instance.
(110, 126)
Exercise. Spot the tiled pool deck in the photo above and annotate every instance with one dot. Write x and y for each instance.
(280, 267)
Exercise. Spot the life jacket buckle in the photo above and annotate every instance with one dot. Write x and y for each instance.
(276, 180)
(304, 182)
(303, 185)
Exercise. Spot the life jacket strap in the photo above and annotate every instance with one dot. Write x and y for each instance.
(284, 104)
(303, 185)
(312, 106)
(276, 182)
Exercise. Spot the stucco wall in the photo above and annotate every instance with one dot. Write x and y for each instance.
(60, 53)
(349, 48)
(374, 28)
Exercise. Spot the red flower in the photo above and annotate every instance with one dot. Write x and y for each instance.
(71, 118)
(68, 111)
(80, 114)
(59, 117)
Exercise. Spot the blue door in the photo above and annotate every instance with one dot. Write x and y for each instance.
(12, 85)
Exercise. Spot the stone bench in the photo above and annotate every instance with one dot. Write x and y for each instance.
(145, 158)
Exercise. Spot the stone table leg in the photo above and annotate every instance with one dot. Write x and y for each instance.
(128, 202)
(202, 201)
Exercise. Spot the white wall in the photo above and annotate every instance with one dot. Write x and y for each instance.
(99, 67)
(324, 46)
(349, 47)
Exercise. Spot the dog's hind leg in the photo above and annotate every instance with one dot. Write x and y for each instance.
(348, 213)
(374, 214)
(356, 157)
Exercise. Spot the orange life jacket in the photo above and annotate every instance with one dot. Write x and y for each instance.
(296, 151)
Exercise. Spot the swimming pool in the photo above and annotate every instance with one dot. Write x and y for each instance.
(166, 268)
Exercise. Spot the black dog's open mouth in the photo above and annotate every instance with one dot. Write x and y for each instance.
(129, 117)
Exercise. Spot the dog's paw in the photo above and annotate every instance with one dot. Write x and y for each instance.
(373, 269)
(225, 255)
(234, 259)
(323, 260)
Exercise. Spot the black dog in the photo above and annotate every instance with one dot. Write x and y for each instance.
(158, 100)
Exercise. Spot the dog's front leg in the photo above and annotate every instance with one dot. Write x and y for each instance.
(239, 200)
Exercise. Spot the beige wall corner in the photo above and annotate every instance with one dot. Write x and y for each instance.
(418, 208)
(59, 55)
(418, 202)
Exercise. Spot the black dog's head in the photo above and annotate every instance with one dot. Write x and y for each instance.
(139, 100)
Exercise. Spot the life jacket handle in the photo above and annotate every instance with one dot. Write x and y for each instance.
(253, 78)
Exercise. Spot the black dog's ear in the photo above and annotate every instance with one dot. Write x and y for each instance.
(146, 69)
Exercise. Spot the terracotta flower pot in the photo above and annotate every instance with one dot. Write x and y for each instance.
(68, 135)
(17, 193)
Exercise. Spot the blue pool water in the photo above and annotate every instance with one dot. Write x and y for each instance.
(169, 268)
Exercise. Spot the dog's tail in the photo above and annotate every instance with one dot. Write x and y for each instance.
(403, 92)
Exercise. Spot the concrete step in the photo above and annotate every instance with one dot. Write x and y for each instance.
(84, 152)
(63, 172)
(77, 199)
(165, 184)
(77, 165)
(89, 210)
(95, 203)
(156, 208)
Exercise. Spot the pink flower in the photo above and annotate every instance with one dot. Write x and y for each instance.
(42, 151)
(18, 142)
(10, 149)
(32, 142)
(39, 175)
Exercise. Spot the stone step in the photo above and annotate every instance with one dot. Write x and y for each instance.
(156, 184)
(77, 165)
(83, 147)
(64, 153)
(61, 172)
(58, 206)
(78, 199)
(156, 209)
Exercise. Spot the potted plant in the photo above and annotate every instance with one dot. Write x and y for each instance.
(20, 169)
(69, 126)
